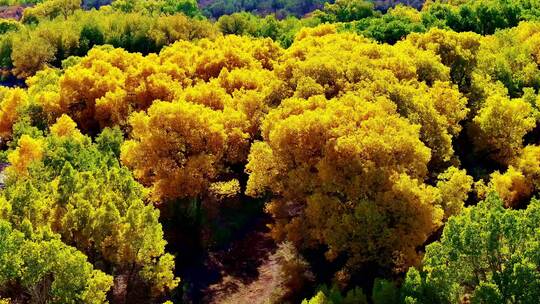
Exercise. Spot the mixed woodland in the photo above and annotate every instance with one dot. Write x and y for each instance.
(279, 151)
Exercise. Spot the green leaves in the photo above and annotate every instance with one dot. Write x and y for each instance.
(80, 193)
(49, 270)
(10, 262)
(488, 252)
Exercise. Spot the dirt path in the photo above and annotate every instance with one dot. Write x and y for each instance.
(249, 272)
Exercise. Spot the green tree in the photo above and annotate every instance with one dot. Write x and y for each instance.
(388, 29)
(77, 189)
(51, 9)
(48, 270)
(346, 10)
(333, 295)
(187, 7)
(384, 292)
(487, 252)
(237, 24)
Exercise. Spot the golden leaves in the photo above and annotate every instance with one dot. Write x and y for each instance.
(66, 127)
(522, 178)
(177, 147)
(28, 151)
(11, 101)
(500, 126)
(334, 164)
(225, 189)
(454, 186)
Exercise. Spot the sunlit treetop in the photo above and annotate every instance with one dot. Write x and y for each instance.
(487, 254)
(66, 184)
(333, 166)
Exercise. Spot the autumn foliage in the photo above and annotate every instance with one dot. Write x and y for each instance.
(396, 151)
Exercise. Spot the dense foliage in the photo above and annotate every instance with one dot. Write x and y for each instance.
(394, 157)
(217, 8)
(487, 253)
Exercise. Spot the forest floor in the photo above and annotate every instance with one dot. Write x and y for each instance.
(12, 12)
(249, 271)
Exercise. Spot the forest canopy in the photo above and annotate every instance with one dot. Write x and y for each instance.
(306, 152)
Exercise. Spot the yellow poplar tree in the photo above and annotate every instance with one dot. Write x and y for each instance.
(11, 100)
(28, 150)
(344, 173)
(500, 125)
(177, 148)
